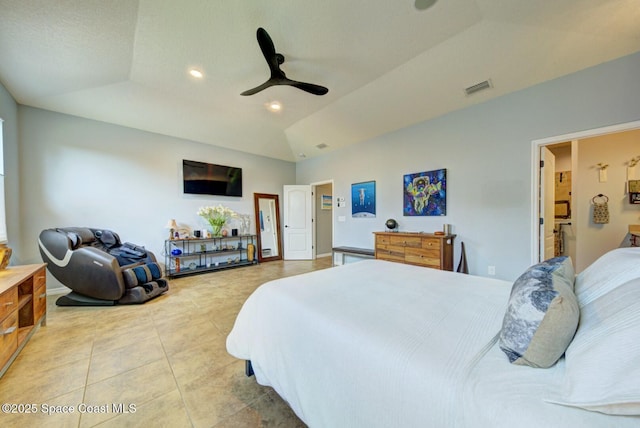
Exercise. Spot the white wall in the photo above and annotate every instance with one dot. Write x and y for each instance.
(486, 150)
(616, 150)
(9, 113)
(79, 172)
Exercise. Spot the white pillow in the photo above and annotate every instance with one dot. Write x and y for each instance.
(608, 272)
(603, 360)
(542, 314)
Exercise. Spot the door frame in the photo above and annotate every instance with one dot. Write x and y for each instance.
(535, 172)
(314, 208)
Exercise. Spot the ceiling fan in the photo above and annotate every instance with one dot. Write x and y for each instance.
(277, 76)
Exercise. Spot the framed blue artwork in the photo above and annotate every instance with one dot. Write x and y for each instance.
(326, 202)
(425, 193)
(363, 199)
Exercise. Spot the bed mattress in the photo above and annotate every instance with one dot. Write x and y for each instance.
(382, 344)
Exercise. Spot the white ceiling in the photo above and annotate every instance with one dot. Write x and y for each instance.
(386, 64)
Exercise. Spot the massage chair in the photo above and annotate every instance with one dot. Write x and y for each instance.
(99, 268)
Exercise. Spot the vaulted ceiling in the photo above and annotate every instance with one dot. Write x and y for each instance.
(386, 63)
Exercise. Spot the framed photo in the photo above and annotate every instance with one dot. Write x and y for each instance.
(363, 199)
(326, 202)
(425, 193)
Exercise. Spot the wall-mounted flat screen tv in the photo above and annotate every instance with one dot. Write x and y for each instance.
(201, 178)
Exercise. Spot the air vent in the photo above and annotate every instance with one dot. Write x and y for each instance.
(321, 146)
(478, 87)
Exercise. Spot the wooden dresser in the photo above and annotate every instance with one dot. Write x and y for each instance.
(23, 307)
(422, 249)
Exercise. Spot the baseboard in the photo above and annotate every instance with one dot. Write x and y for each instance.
(323, 255)
(57, 290)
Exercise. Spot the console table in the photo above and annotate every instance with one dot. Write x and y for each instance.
(200, 255)
(23, 308)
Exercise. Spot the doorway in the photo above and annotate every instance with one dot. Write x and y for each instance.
(308, 221)
(558, 232)
(580, 229)
(323, 224)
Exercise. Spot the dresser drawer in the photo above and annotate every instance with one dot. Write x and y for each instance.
(8, 302)
(406, 241)
(39, 302)
(422, 257)
(8, 337)
(40, 278)
(390, 254)
(430, 243)
(382, 240)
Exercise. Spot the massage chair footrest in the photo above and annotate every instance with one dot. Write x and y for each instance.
(144, 292)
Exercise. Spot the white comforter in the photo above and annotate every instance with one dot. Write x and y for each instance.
(381, 344)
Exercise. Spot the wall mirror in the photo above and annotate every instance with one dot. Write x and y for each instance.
(268, 226)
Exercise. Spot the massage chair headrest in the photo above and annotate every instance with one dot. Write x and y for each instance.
(78, 236)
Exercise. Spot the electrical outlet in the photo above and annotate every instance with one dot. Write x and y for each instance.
(491, 270)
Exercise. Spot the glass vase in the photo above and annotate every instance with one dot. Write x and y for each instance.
(215, 229)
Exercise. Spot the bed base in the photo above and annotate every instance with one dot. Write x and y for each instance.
(248, 368)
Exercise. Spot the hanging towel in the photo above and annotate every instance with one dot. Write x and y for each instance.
(600, 209)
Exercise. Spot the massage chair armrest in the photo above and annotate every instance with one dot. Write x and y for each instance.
(92, 272)
(56, 243)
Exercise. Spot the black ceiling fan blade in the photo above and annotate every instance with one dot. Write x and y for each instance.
(257, 89)
(309, 87)
(269, 51)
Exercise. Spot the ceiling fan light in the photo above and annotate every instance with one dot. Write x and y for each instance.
(274, 106)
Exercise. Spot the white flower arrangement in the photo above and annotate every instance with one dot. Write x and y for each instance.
(216, 216)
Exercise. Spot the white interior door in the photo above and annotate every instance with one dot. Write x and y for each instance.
(547, 203)
(298, 239)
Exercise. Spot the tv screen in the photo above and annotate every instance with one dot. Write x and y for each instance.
(208, 179)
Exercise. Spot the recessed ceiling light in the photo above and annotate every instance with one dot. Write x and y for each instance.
(196, 73)
(424, 4)
(274, 106)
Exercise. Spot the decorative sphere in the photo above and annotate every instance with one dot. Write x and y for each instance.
(391, 224)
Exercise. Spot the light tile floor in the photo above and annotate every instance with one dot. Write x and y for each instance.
(166, 358)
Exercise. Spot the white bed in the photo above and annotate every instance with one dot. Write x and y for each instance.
(382, 344)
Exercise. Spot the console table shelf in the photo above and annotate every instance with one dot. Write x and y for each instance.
(201, 255)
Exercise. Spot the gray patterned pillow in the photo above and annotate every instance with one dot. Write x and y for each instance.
(542, 315)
